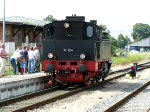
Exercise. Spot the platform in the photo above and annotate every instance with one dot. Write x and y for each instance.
(16, 85)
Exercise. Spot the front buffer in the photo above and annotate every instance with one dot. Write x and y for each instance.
(70, 71)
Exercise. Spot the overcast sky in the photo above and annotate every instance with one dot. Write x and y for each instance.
(118, 15)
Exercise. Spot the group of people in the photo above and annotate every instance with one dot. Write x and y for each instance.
(26, 60)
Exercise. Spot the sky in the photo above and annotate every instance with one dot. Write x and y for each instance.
(118, 15)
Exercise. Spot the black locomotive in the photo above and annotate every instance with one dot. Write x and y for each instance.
(75, 51)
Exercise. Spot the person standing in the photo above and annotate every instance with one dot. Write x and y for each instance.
(25, 57)
(21, 62)
(31, 61)
(37, 59)
(14, 58)
(3, 57)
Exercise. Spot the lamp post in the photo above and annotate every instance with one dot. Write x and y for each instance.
(4, 24)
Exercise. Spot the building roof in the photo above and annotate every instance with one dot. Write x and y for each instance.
(23, 20)
(142, 43)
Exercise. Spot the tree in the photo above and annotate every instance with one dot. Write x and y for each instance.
(104, 31)
(49, 18)
(121, 41)
(127, 40)
(140, 31)
(113, 42)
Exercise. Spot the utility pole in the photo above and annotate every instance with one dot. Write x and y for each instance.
(4, 24)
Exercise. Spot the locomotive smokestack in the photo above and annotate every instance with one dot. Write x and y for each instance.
(93, 21)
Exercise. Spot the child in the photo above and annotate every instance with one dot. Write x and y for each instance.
(21, 63)
(22, 67)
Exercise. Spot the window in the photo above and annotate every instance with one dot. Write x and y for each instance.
(89, 31)
(51, 31)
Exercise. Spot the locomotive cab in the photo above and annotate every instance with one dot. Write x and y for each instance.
(74, 51)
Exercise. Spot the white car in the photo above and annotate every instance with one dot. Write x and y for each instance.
(134, 51)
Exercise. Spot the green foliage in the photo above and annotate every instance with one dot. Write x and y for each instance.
(127, 40)
(120, 42)
(102, 28)
(113, 42)
(140, 31)
(8, 70)
(113, 50)
(49, 18)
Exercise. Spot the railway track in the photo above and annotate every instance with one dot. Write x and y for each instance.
(126, 98)
(30, 102)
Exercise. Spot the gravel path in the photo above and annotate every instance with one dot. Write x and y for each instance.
(97, 99)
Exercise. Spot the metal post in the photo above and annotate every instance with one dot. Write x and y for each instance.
(4, 24)
(135, 66)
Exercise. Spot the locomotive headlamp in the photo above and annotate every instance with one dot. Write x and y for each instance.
(82, 56)
(50, 55)
(66, 25)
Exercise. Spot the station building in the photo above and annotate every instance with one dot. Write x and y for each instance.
(140, 46)
(22, 31)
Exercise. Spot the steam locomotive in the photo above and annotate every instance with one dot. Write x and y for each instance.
(75, 51)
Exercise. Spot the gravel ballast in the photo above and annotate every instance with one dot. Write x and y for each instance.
(97, 99)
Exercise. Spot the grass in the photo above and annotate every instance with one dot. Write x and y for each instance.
(130, 58)
(9, 70)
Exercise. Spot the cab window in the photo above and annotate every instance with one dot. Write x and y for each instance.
(89, 31)
(51, 30)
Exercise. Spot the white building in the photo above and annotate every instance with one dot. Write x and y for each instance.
(141, 46)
